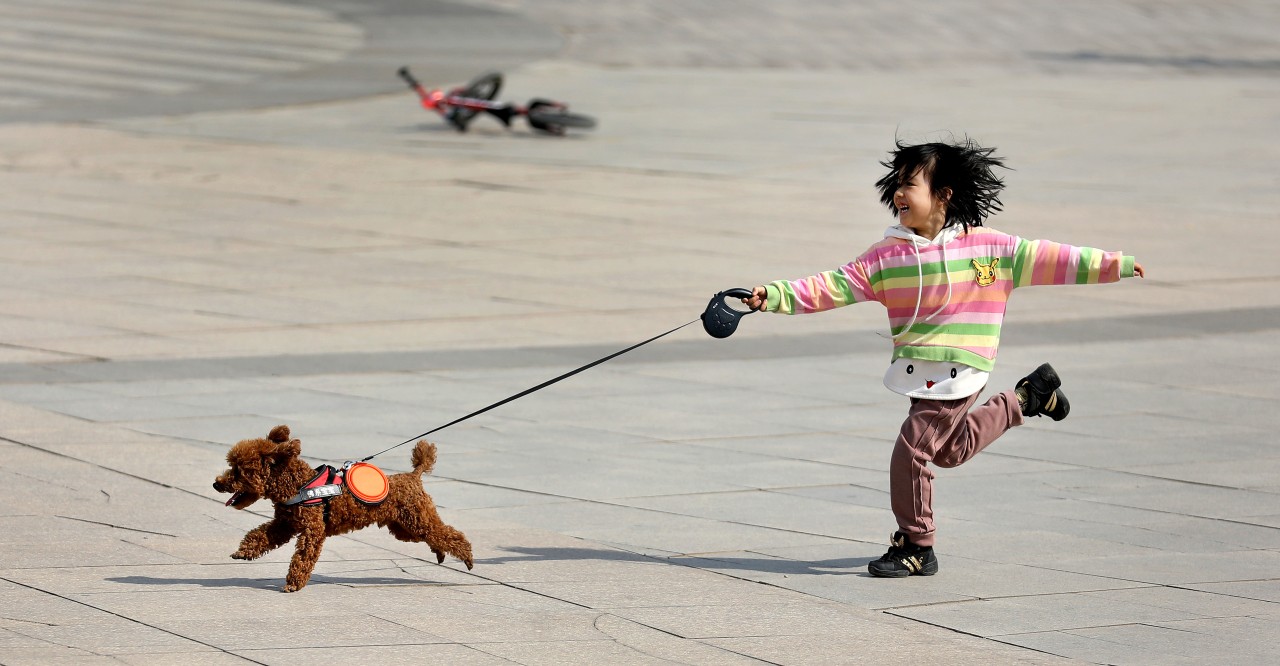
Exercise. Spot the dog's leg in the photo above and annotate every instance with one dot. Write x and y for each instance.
(443, 538)
(449, 540)
(424, 526)
(264, 538)
(307, 550)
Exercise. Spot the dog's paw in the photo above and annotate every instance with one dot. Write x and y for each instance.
(241, 555)
(439, 556)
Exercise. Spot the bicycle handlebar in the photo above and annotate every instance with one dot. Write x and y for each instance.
(408, 78)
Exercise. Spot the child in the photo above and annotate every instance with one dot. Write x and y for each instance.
(945, 280)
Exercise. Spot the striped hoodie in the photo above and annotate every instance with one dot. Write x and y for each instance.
(946, 297)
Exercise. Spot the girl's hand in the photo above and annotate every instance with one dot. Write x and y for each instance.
(1138, 270)
(759, 297)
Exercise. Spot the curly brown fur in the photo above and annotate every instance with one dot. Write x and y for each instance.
(270, 468)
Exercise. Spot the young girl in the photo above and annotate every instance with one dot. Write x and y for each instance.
(945, 280)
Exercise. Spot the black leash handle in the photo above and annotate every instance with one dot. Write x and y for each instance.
(525, 392)
(720, 320)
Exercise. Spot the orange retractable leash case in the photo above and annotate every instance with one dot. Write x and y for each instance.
(367, 483)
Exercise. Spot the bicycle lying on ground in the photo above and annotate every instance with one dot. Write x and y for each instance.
(460, 106)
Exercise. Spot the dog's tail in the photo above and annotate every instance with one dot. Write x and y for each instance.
(424, 457)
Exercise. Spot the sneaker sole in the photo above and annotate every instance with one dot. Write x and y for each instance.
(896, 573)
(899, 573)
(1062, 408)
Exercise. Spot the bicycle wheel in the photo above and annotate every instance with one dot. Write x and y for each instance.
(555, 122)
(485, 86)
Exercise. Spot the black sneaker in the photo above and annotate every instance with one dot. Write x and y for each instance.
(904, 559)
(1039, 394)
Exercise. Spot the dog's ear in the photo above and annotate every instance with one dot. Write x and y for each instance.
(284, 451)
(279, 434)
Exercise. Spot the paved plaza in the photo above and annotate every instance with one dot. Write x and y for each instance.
(224, 215)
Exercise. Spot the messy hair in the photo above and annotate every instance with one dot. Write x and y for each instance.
(964, 167)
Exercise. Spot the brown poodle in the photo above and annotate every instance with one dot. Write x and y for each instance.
(271, 468)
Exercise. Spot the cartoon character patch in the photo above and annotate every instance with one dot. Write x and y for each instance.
(937, 380)
(986, 272)
(928, 383)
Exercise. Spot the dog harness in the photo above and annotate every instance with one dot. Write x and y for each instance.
(325, 485)
(362, 480)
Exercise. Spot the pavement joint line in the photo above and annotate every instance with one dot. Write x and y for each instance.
(51, 482)
(116, 566)
(442, 641)
(119, 527)
(595, 624)
(1114, 625)
(975, 635)
(780, 490)
(1138, 474)
(1093, 626)
(72, 357)
(102, 467)
(1141, 583)
(1184, 515)
(695, 442)
(1066, 593)
(126, 618)
(473, 647)
(1225, 594)
(18, 619)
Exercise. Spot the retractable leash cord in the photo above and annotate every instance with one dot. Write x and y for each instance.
(719, 320)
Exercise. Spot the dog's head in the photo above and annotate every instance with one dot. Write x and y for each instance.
(256, 468)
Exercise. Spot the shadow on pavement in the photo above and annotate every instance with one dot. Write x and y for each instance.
(275, 584)
(757, 564)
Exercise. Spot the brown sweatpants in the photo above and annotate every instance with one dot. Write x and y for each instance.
(945, 433)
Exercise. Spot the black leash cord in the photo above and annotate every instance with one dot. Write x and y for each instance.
(530, 390)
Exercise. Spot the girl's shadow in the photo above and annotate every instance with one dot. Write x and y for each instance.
(757, 564)
(767, 565)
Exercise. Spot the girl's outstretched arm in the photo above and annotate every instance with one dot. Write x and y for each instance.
(826, 290)
(1037, 262)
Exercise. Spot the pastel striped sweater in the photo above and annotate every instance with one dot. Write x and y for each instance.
(983, 267)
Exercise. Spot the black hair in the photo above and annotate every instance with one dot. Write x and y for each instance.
(963, 167)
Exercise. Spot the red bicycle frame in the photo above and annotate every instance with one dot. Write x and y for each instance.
(459, 105)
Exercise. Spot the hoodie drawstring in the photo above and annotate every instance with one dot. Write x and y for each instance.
(920, 287)
(919, 290)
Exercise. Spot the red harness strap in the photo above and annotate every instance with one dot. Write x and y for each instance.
(326, 484)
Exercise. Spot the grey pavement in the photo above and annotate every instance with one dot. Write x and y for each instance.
(223, 216)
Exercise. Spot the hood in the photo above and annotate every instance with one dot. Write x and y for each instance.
(945, 236)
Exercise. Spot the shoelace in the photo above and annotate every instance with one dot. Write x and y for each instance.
(896, 552)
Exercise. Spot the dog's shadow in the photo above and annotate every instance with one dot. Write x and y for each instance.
(275, 584)
(767, 565)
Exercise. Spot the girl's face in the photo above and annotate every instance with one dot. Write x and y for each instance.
(919, 209)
